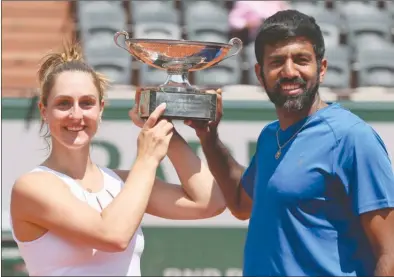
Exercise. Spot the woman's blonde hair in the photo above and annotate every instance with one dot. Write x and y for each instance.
(70, 59)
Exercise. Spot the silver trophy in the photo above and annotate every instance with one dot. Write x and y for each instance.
(178, 57)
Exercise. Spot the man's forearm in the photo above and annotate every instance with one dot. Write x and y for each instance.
(197, 181)
(385, 266)
(226, 170)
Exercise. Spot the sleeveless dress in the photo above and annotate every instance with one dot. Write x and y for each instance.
(51, 255)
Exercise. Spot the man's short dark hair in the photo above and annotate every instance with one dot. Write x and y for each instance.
(285, 25)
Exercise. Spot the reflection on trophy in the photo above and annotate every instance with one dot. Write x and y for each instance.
(178, 57)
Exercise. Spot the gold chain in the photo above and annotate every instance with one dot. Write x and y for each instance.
(279, 152)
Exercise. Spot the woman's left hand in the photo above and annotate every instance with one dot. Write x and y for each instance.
(133, 113)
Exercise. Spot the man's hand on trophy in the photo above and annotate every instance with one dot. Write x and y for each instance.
(205, 129)
(133, 113)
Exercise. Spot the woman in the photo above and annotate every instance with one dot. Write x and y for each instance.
(73, 217)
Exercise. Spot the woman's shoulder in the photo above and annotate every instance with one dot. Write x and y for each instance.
(31, 176)
(35, 189)
(36, 180)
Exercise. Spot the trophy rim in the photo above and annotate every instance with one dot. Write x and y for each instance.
(178, 41)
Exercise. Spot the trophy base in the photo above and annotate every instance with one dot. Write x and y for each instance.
(180, 105)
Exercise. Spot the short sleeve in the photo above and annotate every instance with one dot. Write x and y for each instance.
(248, 177)
(364, 166)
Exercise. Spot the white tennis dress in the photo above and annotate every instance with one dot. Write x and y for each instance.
(51, 255)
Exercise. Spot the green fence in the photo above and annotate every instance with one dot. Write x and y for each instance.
(234, 110)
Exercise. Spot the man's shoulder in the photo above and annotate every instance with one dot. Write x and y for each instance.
(269, 129)
(350, 130)
(342, 121)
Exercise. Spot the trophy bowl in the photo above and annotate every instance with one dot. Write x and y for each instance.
(178, 58)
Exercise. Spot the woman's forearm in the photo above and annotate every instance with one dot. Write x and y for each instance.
(130, 203)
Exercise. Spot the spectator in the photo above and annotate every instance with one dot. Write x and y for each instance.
(246, 17)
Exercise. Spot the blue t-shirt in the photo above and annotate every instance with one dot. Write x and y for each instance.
(306, 205)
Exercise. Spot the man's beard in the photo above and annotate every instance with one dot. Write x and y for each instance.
(292, 102)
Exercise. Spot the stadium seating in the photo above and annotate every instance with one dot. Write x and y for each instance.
(354, 31)
(154, 11)
(107, 59)
(100, 15)
(98, 21)
(366, 24)
(227, 72)
(390, 8)
(157, 30)
(150, 76)
(339, 69)
(186, 4)
(251, 61)
(376, 67)
(154, 14)
(206, 21)
(155, 19)
(330, 21)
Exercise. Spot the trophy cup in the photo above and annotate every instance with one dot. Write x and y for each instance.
(178, 57)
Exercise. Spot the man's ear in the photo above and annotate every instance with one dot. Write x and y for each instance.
(258, 70)
(323, 70)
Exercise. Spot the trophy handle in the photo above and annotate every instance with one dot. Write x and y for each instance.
(116, 36)
(237, 45)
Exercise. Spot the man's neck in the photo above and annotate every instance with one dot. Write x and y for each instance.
(288, 118)
(72, 162)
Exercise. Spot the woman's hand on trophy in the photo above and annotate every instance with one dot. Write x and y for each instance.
(205, 129)
(133, 113)
(155, 136)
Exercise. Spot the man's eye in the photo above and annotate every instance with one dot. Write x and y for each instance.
(302, 60)
(275, 62)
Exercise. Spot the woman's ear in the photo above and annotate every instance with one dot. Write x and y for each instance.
(102, 104)
(43, 111)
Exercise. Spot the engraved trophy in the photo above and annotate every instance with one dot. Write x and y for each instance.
(178, 58)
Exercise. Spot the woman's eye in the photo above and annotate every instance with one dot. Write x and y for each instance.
(87, 103)
(63, 103)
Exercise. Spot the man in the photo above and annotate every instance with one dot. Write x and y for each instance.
(319, 191)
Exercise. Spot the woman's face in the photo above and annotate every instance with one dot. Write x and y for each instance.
(73, 110)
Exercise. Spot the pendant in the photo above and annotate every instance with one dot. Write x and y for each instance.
(277, 155)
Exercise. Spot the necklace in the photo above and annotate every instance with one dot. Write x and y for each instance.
(280, 147)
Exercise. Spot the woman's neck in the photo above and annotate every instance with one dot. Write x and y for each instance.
(72, 162)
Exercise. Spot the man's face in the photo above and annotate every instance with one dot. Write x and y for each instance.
(290, 74)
